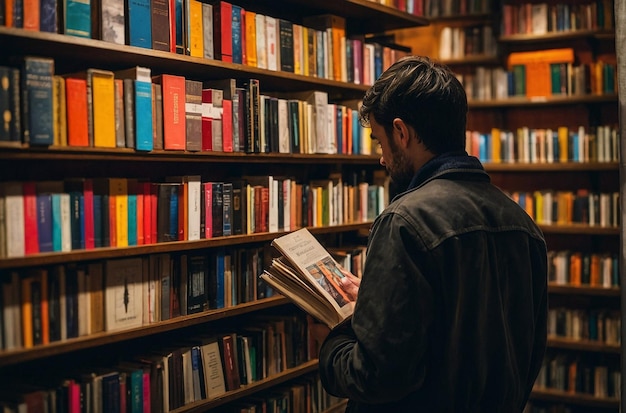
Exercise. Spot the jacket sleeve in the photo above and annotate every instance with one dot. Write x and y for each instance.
(379, 357)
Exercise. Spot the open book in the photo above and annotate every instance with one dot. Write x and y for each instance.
(307, 274)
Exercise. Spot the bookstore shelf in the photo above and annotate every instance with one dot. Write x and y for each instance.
(576, 398)
(561, 289)
(582, 345)
(22, 152)
(162, 247)
(64, 49)
(552, 167)
(557, 36)
(13, 357)
(247, 390)
(542, 101)
(472, 60)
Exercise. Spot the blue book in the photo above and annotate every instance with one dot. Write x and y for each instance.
(71, 302)
(44, 222)
(18, 14)
(77, 18)
(48, 16)
(140, 23)
(219, 272)
(37, 75)
(132, 219)
(356, 133)
(339, 130)
(173, 215)
(197, 373)
(180, 26)
(56, 222)
(236, 31)
(143, 116)
(227, 205)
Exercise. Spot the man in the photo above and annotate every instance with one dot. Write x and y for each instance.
(451, 309)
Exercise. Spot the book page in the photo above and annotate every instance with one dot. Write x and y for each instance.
(315, 263)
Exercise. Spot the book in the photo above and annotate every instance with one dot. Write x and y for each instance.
(123, 294)
(37, 74)
(307, 274)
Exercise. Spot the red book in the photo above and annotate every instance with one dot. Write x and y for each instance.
(223, 31)
(227, 125)
(77, 110)
(147, 213)
(146, 392)
(88, 214)
(153, 212)
(174, 125)
(31, 232)
(73, 397)
(207, 190)
(212, 103)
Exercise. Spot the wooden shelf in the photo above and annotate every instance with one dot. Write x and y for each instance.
(573, 398)
(552, 167)
(472, 60)
(579, 229)
(248, 390)
(584, 290)
(464, 19)
(97, 53)
(544, 101)
(65, 153)
(162, 247)
(556, 36)
(583, 345)
(13, 357)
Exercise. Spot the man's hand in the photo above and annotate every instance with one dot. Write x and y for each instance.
(350, 284)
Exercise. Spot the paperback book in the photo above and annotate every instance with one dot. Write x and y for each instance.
(307, 274)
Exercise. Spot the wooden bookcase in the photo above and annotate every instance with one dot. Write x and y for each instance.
(512, 112)
(21, 162)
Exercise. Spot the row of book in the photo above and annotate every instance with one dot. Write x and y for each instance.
(188, 370)
(304, 395)
(459, 42)
(583, 269)
(577, 376)
(540, 145)
(593, 325)
(132, 109)
(49, 304)
(559, 79)
(543, 18)
(555, 207)
(84, 213)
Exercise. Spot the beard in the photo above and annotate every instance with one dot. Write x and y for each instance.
(400, 168)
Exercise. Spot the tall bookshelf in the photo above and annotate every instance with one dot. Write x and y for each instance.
(581, 370)
(70, 359)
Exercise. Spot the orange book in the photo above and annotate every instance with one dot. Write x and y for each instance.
(44, 307)
(537, 64)
(174, 125)
(118, 195)
(77, 112)
(27, 312)
(595, 274)
(31, 15)
(250, 33)
(196, 37)
(8, 12)
(102, 85)
(575, 268)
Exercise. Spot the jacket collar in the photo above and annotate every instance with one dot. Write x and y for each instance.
(449, 163)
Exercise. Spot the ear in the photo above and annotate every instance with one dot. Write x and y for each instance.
(401, 132)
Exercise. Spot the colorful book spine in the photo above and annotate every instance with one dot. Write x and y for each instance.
(139, 23)
(77, 18)
(37, 105)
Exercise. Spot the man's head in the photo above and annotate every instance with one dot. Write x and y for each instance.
(417, 109)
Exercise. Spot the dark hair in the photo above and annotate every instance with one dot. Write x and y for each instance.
(424, 94)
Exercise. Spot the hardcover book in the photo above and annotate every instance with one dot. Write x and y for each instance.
(307, 274)
(37, 100)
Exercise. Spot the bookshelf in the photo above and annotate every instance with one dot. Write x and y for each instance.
(75, 361)
(495, 108)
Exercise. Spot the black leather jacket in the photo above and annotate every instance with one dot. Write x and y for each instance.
(451, 313)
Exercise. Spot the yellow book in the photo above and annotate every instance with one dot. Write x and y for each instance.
(538, 197)
(495, 146)
(118, 189)
(196, 34)
(297, 49)
(563, 134)
(319, 216)
(250, 28)
(102, 85)
(27, 312)
(59, 111)
(305, 50)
